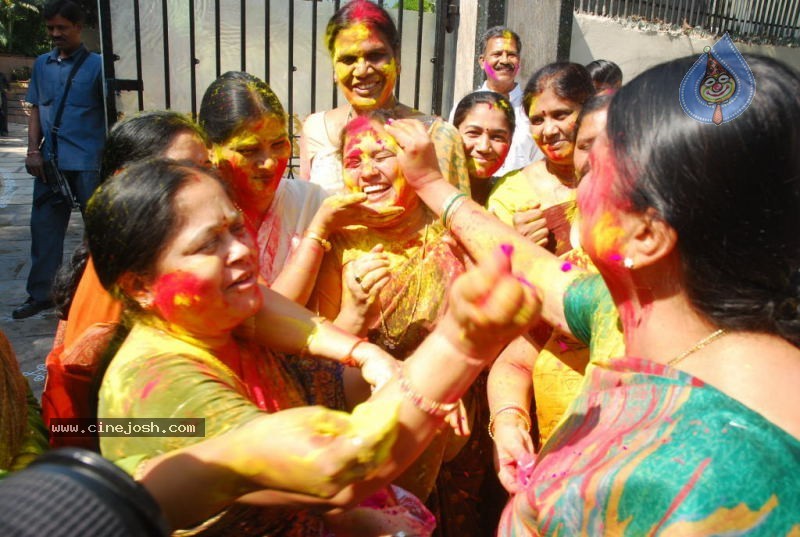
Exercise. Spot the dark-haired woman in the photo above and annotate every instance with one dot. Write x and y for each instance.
(364, 45)
(695, 430)
(556, 371)
(292, 220)
(188, 273)
(485, 120)
(89, 312)
(553, 97)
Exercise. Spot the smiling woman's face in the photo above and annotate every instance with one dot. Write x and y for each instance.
(553, 125)
(205, 280)
(487, 138)
(253, 161)
(365, 67)
(370, 165)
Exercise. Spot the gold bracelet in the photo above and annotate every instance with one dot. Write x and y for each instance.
(448, 204)
(326, 244)
(437, 409)
(514, 408)
(318, 321)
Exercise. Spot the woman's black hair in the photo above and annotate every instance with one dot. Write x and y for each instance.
(605, 74)
(132, 217)
(140, 137)
(232, 99)
(569, 81)
(144, 136)
(489, 97)
(731, 192)
(366, 12)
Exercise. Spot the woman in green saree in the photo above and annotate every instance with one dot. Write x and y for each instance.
(693, 227)
(168, 239)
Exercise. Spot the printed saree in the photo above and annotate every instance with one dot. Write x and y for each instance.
(648, 450)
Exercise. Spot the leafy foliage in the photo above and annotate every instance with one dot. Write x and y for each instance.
(428, 6)
(22, 28)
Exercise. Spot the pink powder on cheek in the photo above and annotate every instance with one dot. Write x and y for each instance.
(490, 72)
(179, 292)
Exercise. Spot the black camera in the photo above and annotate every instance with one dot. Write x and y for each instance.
(76, 492)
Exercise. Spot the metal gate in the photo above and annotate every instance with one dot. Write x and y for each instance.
(162, 54)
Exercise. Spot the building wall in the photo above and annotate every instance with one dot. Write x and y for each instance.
(636, 50)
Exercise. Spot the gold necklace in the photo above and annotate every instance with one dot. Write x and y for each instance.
(697, 346)
(393, 342)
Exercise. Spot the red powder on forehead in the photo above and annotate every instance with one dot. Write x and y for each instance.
(368, 12)
(178, 291)
(358, 125)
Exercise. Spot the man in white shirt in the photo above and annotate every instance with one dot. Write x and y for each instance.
(500, 60)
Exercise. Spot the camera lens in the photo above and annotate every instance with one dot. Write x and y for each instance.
(71, 492)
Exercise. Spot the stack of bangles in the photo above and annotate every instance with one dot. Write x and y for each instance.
(514, 409)
(437, 409)
(450, 206)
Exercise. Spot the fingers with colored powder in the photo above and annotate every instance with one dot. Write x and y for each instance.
(490, 304)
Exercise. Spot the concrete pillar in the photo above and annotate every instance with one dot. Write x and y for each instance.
(545, 28)
(475, 16)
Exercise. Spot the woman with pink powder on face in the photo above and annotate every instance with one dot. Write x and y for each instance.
(186, 267)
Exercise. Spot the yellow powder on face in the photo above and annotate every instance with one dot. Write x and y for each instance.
(606, 235)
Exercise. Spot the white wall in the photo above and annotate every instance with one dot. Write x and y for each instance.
(635, 50)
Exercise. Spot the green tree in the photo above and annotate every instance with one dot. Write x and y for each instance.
(428, 6)
(21, 28)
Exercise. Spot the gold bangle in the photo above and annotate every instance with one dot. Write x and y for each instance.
(437, 409)
(326, 244)
(318, 321)
(514, 408)
(447, 206)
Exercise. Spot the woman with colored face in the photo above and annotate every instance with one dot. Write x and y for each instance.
(89, 312)
(365, 50)
(553, 97)
(705, 390)
(591, 124)
(389, 283)
(539, 201)
(292, 220)
(486, 123)
(167, 238)
(553, 373)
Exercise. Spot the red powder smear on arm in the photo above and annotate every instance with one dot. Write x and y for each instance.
(178, 291)
(566, 267)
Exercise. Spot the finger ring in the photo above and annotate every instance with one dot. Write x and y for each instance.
(357, 279)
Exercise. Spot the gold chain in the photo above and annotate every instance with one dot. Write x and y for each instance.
(392, 342)
(697, 346)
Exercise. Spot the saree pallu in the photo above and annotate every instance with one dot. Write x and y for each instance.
(646, 449)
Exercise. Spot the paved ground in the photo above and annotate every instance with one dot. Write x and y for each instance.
(32, 337)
